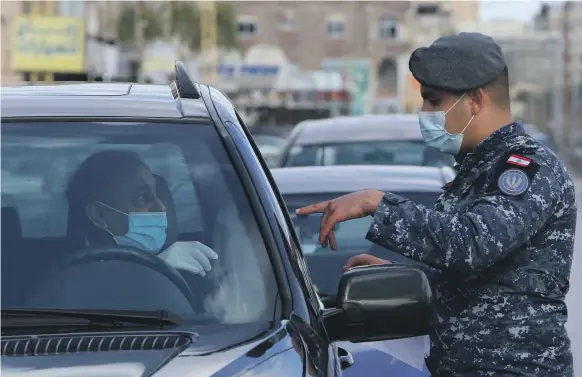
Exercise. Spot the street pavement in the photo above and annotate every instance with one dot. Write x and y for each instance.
(574, 297)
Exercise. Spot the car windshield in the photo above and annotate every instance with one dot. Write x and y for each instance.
(351, 234)
(392, 152)
(104, 215)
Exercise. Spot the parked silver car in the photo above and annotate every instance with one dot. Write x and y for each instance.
(361, 140)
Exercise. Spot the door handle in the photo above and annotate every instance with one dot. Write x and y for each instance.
(346, 358)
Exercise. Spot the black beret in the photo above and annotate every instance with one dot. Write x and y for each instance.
(458, 62)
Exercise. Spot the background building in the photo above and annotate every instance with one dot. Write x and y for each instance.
(8, 10)
(335, 56)
(87, 27)
(426, 22)
(566, 20)
(368, 37)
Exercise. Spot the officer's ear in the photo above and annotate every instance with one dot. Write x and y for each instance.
(478, 99)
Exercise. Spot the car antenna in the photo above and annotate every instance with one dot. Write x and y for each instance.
(184, 86)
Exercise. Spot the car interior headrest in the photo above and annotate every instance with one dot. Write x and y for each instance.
(76, 231)
(165, 195)
(11, 226)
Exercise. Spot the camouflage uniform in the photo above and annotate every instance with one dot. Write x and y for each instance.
(504, 261)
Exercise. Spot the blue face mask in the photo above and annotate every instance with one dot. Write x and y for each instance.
(147, 230)
(432, 128)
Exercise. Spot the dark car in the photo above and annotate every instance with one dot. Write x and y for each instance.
(302, 186)
(76, 307)
(361, 140)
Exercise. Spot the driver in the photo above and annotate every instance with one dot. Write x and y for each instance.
(113, 193)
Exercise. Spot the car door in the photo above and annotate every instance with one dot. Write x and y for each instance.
(314, 336)
(321, 357)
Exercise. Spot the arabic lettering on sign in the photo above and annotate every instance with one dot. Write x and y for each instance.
(231, 70)
(48, 44)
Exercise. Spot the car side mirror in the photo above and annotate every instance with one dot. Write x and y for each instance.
(380, 303)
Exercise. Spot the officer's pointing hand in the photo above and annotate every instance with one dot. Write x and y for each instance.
(351, 206)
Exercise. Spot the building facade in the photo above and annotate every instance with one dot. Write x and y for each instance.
(315, 35)
(565, 19)
(99, 55)
(8, 11)
(427, 21)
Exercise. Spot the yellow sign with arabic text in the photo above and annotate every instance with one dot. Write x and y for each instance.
(48, 44)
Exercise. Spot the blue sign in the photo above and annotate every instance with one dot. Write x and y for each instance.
(232, 70)
(227, 70)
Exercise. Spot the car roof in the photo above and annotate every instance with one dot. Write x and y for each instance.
(348, 178)
(111, 100)
(359, 128)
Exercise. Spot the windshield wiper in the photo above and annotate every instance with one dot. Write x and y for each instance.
(40, 317)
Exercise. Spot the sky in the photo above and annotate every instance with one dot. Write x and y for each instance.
(519, 10)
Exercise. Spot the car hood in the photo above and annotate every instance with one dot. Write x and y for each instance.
(267, 355)
(204, 356)
(121, 364)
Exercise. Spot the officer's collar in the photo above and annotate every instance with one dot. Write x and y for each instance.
(491, 143)
(460, 158)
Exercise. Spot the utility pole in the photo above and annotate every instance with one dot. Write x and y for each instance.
(168, 11)
(575, 69)
(35, 9)
(45, 8)
(50, 10)
(576, 112)
(168, 6)
(567, 79)
(371, 35)
(208, 40)
(138, 29)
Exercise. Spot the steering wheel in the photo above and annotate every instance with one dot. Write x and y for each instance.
(96, 254)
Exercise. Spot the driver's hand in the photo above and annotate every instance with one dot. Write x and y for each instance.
(189, 256)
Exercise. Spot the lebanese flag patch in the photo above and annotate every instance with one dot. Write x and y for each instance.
(518, 160)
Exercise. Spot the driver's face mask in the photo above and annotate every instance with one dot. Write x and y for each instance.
(147, 230)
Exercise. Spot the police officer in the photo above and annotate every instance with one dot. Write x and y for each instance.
(501, 236)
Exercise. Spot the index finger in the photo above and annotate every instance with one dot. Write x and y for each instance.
(313, 208)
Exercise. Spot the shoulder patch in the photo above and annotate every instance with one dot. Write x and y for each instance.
(513, 182)
(518, 160)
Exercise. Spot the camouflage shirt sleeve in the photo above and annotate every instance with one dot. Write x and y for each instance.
(492, 227)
